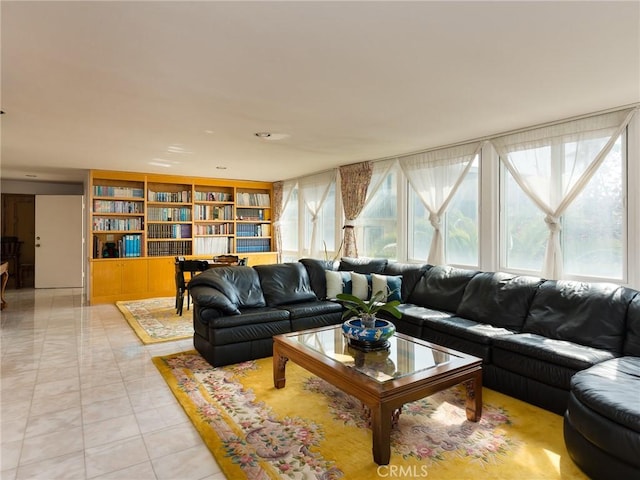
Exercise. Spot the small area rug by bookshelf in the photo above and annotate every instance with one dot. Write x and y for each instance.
(155, 319)
(310, 429)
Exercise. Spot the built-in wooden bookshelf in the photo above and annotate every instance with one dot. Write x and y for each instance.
(117, 216)
(213, 218)
(153, 218)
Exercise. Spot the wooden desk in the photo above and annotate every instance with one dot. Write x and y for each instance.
(213, 264)
(4, 273)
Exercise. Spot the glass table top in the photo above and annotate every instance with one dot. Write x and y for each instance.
(403, 357)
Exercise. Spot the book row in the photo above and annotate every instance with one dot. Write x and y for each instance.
(172, 248)
(105, 191)
(253, 230)
(128, 246)
(213, 212)
(169, 214)
(250, 214)
(174, 230)
(169, 197)
(253, 199)
(247, 245)
(213, 197)
(103, 224)
(215, 229)
(117, 206)
(212, 245)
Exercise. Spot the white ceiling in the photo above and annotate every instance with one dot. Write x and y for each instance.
(181, 87)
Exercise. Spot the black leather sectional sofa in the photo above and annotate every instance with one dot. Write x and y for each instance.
(550, 343)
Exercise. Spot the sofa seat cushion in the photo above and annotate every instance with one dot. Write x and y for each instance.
(249, 326)
(467, 329)
(549, 361)
(250, 316)
(417, 315)
(558, 352)
(310, 309)
(612, 389)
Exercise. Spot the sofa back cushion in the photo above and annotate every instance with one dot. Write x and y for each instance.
(410, 273)
(441, 288)
(285, 283)
(316, 270)
(499, 299)
(241, 285)
(591, 314)
(363, 264)
(632, 339)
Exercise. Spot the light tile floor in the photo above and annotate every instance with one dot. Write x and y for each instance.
(81, 399)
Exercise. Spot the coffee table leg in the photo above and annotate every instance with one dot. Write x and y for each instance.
(381, 430)
(474, 397)
(279, 364)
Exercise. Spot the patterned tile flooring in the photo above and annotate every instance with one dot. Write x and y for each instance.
(81, 399)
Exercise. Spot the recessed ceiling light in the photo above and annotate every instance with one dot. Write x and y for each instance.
(159, 162)
(271, 136)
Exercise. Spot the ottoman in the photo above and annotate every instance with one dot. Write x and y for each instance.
(602, 421)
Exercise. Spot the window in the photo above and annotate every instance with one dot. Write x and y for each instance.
(326, 225)
(289, 228)
(592, 229)
(377, 225)
(460, 223)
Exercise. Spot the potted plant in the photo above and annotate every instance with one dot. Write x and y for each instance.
(364, 331)
(366, 310)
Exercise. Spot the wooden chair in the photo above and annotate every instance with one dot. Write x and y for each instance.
(186, 266)
(10, 252)
(4, 276)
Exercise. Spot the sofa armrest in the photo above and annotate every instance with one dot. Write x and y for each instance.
(208, 297)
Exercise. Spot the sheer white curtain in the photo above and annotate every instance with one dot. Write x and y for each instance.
(435, 176)
(379, 173)
(286, 189)
(553, 164)
(313, 191)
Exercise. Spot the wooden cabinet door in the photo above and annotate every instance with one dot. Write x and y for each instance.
(106, 278)
(134, 277)
(162, 277)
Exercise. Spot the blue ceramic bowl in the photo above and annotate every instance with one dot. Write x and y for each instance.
(354, 330)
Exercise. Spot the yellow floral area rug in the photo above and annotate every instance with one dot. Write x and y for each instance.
(311, 430)
(155, 320)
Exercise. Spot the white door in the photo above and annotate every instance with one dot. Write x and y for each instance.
(58, 241)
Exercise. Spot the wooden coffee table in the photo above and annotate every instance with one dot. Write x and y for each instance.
(383, 381)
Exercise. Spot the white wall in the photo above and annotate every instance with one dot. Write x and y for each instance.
(41, 188)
